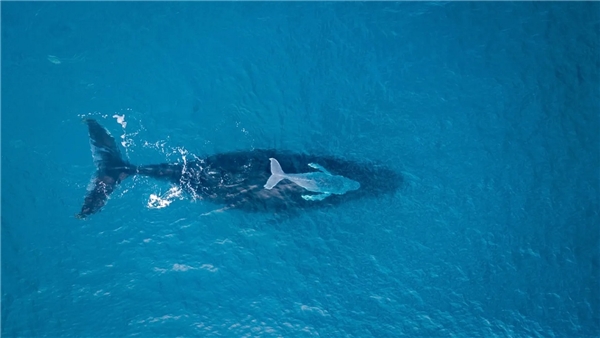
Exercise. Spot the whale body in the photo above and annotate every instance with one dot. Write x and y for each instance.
(236, 180)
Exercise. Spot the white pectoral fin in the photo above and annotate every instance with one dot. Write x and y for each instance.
(318, 197)
(319, 167)
(277, 174)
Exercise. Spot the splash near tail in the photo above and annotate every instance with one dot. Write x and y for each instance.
(277, 174)
(111, 169)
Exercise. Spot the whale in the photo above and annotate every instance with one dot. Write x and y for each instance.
(322, 182)
(239, 179)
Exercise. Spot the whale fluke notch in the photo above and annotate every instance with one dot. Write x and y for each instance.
(111, 169)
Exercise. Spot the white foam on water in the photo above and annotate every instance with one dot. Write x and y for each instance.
(158, 202)
(127, 141)
(120, 120)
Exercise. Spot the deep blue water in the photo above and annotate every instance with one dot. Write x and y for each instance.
(490, 111)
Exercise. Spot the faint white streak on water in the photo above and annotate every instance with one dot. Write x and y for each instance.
(314, 309)
(182, 267)
(161, 319)
(101, 293)
(209, 267)
(185, 267)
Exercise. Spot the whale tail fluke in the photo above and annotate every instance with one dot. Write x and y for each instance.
(111, 168)
(277, 174)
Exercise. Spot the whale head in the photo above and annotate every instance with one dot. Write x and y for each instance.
(350, 185)
(341, 185)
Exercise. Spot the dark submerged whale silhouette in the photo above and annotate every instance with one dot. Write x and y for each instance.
(234, 180)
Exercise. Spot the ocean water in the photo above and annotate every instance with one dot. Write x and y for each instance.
(489, 111)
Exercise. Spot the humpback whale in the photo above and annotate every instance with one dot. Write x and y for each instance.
(322, 182)
(238, 179)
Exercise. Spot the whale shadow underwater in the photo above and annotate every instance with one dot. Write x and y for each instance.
(237, 180)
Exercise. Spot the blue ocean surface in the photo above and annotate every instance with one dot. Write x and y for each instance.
(489, 111)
